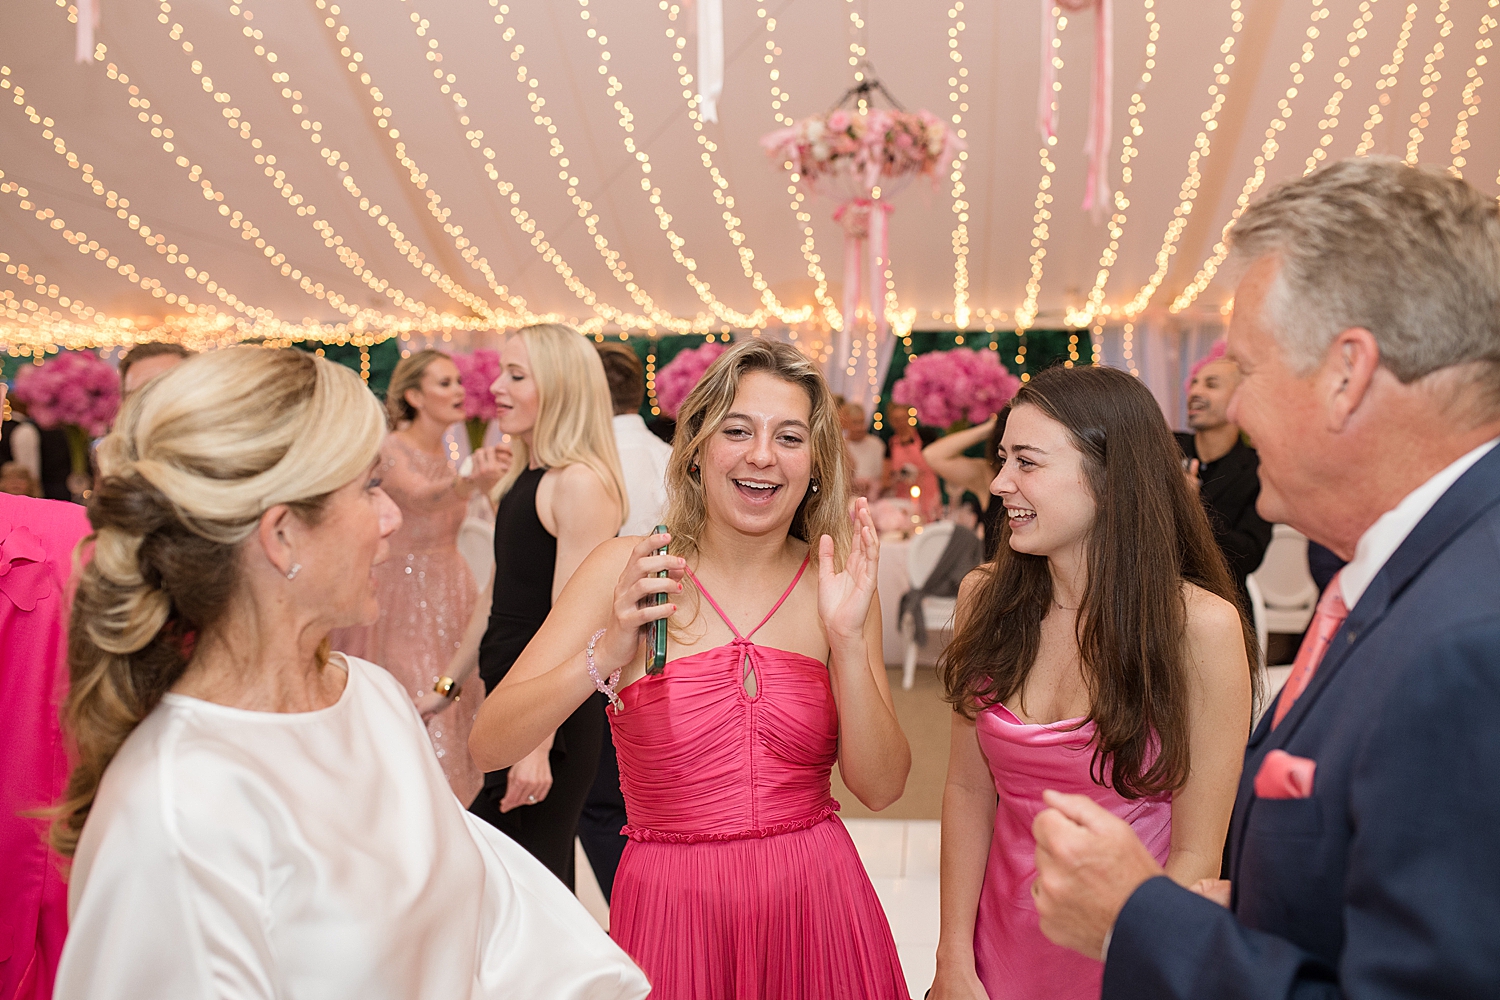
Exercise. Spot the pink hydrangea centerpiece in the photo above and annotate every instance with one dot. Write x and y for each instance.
(76, 391)
(678, 377)
(478, 371)
(947, 387)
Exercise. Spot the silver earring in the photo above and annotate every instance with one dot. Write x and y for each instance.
(815, 486)
(291, 574)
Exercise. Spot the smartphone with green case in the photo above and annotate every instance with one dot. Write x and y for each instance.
(656, 657)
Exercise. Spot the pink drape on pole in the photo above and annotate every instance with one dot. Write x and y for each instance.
(88, 23)
(866, 243)
(1097, 195)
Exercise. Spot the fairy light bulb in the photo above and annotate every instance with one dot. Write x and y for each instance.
(1041, 221)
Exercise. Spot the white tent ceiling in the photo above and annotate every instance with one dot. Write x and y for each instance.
(266, 78)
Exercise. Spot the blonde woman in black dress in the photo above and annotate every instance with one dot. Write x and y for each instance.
(563, 495)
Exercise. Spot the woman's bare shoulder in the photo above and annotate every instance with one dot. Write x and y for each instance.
(1209, 615)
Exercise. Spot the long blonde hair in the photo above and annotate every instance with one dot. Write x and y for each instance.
(574, 417)
(195, 459)
(825, 512)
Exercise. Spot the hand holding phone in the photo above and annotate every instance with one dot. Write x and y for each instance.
(656, 651)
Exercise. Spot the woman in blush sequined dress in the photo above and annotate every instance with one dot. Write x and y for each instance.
(425, 588)
(739, 881)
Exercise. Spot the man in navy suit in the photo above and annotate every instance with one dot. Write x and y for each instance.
(1365, 842)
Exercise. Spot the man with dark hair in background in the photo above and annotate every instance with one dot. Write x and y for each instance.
(1221, 469)
(144, 362)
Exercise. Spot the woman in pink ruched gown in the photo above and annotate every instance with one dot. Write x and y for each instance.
(426, 590)
(1100, 654)
(739, 881)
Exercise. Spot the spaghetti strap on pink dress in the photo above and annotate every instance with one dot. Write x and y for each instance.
(739, 882)
(1015, 961)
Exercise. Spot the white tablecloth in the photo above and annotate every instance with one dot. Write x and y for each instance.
(892, 583)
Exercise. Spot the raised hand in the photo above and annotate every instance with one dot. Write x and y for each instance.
(631, 611)
(844, 597)
(488, 466)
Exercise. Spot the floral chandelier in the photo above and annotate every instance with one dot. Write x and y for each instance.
(860, 156)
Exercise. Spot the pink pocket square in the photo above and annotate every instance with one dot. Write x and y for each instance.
(1283, 776)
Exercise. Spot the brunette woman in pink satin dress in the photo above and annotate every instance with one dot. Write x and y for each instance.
(426, 590)
(1101, 654)
(739, 881)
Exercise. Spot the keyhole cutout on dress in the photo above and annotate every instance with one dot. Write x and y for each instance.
(748, 680)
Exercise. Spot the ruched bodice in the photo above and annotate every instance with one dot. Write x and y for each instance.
(703, 760)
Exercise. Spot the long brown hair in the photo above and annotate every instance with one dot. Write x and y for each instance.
(1150, 535)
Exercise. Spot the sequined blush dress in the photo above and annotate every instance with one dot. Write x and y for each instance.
(426, 595)
(739, 882)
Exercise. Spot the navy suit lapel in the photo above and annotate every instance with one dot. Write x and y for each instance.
(1475, 492)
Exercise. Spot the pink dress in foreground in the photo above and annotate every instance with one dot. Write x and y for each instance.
(739, 882)
(1014, 960)
(426, 595)
(36, 548)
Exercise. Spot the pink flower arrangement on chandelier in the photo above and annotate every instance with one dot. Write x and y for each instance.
(679, 376)
(74, 388)
(878, 145)
(946, 387)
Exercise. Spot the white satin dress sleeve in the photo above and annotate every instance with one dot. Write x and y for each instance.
(320, 855)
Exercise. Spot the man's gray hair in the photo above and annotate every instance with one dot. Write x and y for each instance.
(1411, 254)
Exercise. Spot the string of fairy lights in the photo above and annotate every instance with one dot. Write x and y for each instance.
(1430, 78)
(1026, 312)
(1390, 73)
(1268, 150)
(1192, 183)
(43, 315)
(781, 97)
(1471, 93)
(1130, 148)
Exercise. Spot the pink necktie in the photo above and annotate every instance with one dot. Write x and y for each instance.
(1326, 620)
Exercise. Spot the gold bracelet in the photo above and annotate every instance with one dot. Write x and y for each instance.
(447, 687)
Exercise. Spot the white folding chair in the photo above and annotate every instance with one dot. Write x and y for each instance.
(1286, 587)
(922, 557)
(1258, 616)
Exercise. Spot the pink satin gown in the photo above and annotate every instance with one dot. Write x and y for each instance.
(739, 882)
(426, 595)
(1014, 959)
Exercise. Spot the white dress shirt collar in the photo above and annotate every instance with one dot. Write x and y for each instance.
(1381, 540)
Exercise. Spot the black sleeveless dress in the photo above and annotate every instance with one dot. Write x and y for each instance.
(525, 556)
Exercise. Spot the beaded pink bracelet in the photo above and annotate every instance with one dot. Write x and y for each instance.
(606, 688)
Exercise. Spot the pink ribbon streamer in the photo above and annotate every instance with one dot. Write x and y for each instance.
(1097, 194)
(88, 23)
(865, 226)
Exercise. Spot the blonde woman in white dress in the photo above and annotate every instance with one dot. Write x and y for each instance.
(251, 816)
